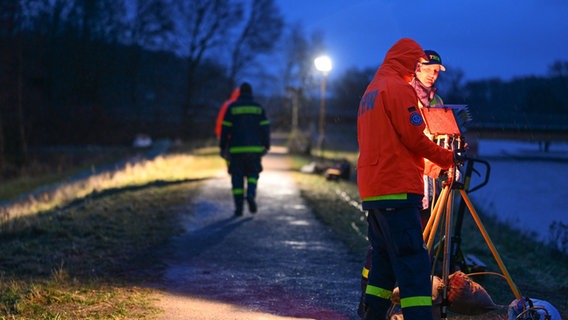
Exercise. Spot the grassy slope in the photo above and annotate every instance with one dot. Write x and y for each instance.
(89, 258)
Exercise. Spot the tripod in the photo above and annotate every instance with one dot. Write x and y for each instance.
(442, 212)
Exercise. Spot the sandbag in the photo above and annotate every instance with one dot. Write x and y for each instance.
(532, 309)
(468, 297)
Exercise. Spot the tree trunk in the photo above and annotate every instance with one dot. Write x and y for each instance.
(20, 106)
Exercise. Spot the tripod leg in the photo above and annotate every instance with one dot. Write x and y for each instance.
(431, 219)
(429, 232)
(496, 255)
(447, 258)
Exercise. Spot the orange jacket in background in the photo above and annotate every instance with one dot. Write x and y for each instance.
(390, 131)
(221, 114)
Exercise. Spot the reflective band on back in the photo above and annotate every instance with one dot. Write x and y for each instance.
(379, 292)
(416, 302)
(246, 110)
(264, 122)
(246, 149)
(227, 124)
(365, 273)
(396, 196)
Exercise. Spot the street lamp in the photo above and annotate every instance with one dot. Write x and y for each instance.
(323, 64)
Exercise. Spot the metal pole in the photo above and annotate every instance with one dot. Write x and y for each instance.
(322, 116)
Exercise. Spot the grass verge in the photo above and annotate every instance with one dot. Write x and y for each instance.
(90, 258)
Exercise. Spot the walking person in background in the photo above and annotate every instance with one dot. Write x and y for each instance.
(426, 75)
(245, 138)
(223, 110)
(391, 184)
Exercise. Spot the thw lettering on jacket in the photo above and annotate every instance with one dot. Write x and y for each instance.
(367, 102)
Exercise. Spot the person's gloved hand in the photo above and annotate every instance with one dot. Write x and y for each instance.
(459, 156)
(448, 177)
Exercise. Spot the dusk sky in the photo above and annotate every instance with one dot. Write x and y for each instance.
(486, 39)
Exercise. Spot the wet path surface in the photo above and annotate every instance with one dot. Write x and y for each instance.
(281, 261)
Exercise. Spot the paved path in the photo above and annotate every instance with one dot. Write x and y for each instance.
(280, 263)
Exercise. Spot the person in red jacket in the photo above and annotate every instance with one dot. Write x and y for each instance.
(392, 149)
(223, 109)
(426, 75)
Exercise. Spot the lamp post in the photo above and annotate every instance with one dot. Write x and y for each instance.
(323, 64)
(295, 140)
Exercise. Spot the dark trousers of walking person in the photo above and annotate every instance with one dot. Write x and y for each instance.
(245, 167)
(399, 257)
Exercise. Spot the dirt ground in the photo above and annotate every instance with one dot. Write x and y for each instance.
(280, 263)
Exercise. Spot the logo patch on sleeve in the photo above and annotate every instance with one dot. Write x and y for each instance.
(416, 119)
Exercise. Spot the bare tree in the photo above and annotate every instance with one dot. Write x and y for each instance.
(97, 19)
(94, 22)
(259, 34)
(300, 52)
(207, 24)
(13, 23)
(151, 27)
(298, 80)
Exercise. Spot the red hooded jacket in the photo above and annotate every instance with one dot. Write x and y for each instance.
(223, 109)
(390, 132)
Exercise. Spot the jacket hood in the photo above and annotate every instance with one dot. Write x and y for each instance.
(235, 94)
(402, 58)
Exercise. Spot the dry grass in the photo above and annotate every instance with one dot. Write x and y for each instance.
(166, 168)
(89, 257)
(63, 298)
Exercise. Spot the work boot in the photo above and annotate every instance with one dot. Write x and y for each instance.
(251, 205)
(239, 209)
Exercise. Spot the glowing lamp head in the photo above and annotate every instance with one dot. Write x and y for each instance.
(323, 64)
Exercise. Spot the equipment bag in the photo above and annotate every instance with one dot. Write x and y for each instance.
(532, 309)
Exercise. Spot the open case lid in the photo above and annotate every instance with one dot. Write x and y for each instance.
(442, 120)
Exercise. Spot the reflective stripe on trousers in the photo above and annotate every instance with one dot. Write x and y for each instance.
(399, 256)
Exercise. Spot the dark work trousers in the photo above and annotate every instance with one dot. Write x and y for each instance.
(241, 167)
(399, 256)
(424, 216)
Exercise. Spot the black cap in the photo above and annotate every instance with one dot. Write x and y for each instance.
(246, 88)
(434, 58)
